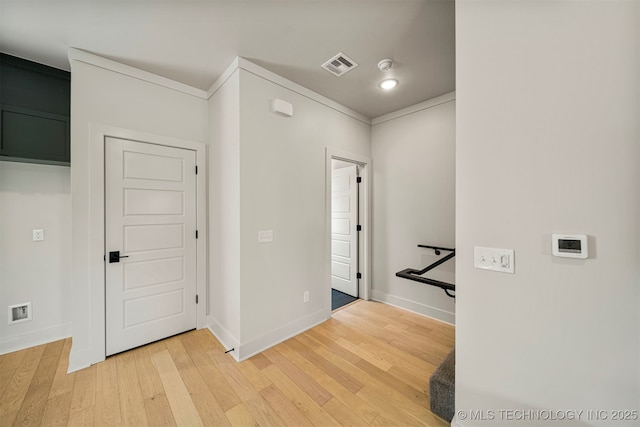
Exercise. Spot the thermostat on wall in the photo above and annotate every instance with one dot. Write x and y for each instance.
(570, 245)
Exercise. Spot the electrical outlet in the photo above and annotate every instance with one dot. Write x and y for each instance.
(305, 297)
(38, 235)
(265, 236)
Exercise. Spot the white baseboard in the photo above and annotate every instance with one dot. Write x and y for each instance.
(228, 340)
(415, 307)
(79, 359)
(281, 334)
(34, 338)
(246, 350)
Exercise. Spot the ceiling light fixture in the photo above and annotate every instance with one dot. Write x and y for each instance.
(388, 84)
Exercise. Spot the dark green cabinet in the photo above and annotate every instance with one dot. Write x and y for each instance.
(35, 106)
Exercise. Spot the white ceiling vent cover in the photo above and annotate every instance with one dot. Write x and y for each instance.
(339, 64)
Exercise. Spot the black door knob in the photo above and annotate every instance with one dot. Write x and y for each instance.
(115, 256)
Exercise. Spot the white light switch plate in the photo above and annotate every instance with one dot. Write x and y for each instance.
(501, 260)
(265, 236)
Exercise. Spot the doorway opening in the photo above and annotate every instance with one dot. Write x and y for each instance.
(344, 232)
(347, 228)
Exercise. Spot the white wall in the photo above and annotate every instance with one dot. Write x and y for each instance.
(264, 174)
(266, 171)
(414, 203)
(274, 167)
(282, 181)
(34, 196)
(224, 212)
(104, 98)
(548, 142)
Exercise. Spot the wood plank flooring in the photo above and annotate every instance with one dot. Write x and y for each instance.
(369, 365)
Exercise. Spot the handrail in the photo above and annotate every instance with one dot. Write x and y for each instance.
(416, 275)
(437, 248)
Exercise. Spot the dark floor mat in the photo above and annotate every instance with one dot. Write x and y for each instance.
(338, 299)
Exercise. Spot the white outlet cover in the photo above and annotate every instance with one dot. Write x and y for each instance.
(265, 236)
(38, 235)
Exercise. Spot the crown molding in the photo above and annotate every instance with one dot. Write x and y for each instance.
(107, 64)
(451, 96)
(246, 65)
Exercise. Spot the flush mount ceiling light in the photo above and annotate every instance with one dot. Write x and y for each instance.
(388, 84)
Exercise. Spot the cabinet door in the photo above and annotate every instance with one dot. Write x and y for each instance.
(35, 104)
(28, 134)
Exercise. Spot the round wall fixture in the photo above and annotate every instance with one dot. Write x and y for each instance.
(385, 64)
(388, 84)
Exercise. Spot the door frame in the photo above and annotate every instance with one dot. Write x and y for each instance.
(352, 171)
(364, 213)
(97, 226)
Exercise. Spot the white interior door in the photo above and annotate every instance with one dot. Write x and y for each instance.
(150, 217)
(344, 237)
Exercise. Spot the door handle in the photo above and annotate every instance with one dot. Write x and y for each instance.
(115, 256)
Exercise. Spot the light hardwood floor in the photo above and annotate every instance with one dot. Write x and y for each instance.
(367, 366)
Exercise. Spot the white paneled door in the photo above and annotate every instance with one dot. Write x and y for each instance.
(150, 237)
(344, 237)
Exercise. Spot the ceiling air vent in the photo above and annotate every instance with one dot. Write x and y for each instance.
(339, 64)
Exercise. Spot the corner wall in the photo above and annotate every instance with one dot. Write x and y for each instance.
(268, 173)
(413, 152)
(224, 212)
(548, 141)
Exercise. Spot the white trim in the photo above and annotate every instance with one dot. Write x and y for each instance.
(202, 243)
(98, 61)
(80, 358)
(364, 289)
(244, 351)
(283, 333)
(226, 338)
(34, 338)
(238, 63)
(414, 307)
(231, 69)
(244, 64)
(300, 90)
(433, 102)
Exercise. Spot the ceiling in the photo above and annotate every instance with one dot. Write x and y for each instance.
(194, 41)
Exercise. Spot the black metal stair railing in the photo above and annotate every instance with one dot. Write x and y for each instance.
(416, 275)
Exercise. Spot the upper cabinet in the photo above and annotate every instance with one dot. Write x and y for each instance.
(35, 107)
